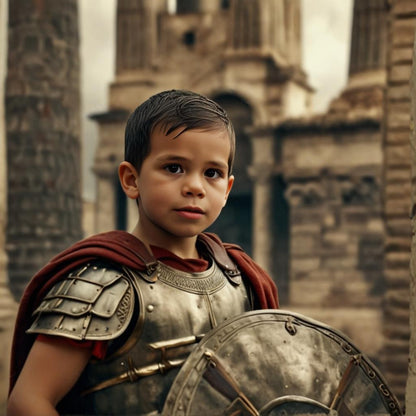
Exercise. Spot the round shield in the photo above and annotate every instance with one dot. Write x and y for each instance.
(275, 362)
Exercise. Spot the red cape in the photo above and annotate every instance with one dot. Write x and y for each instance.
(121, 248)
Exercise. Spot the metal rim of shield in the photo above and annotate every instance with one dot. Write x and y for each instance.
(278, 363)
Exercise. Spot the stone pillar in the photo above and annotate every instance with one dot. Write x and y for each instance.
(3, 160)
(411, 380)
(369, 36)
(8, 307)
(43, 135)
(105, 215)
(137, 34)
(364, 93)
(397, 188)
(271, 27)
(261, 172)
(108, 155)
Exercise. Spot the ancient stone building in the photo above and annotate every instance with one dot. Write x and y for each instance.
(309, 188)
(323, 199)
(255, 74)
(43, 134)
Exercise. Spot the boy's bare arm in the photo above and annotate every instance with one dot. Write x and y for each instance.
(50, 371)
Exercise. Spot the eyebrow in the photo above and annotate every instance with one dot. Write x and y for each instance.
(176, 158)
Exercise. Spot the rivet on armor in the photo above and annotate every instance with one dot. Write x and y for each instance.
(290, 327)
(150, 308)
(74, 310)
(106, 328)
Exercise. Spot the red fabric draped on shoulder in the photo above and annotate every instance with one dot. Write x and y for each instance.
(263, 286)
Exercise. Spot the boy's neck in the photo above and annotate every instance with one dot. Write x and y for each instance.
(181, 247)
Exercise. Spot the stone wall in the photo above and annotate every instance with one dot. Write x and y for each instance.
(333, 178)
(396, 195)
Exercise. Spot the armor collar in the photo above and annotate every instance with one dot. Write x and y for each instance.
(213, 247)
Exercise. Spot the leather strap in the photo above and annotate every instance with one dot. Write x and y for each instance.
(222, 381)
(216, 249)
(138, 248)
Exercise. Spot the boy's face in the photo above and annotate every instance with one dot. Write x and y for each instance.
(183, 183)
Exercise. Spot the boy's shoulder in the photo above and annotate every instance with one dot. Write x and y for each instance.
(91, 294)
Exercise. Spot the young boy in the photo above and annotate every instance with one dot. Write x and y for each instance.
(110, 320)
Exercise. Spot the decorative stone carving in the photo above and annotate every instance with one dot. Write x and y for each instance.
(305, 195)
(360, 191)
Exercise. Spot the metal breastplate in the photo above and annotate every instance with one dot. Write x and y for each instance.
(175, 312)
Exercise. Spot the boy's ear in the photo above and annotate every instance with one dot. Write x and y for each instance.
(128, 176)
(229, 186)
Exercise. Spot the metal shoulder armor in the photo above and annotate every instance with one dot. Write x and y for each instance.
(93, 303)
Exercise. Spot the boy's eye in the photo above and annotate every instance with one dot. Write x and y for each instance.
(173, 168)
(213, 173)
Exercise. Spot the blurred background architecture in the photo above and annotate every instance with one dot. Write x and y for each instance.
(321, 200)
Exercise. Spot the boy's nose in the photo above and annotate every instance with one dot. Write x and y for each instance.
(193, 187)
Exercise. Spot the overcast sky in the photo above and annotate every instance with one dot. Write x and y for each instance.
(326, 27)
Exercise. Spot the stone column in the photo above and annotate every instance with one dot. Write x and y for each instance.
(8, 307)
(261, 171)
(43, 135)
(108, 155)
(105, 214)
(3, 159)
(411, 380)
(368, 42)
(137, 34)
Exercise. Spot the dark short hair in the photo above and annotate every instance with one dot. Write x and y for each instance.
(170, 110)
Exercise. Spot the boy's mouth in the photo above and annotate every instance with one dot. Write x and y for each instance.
(190, 212)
